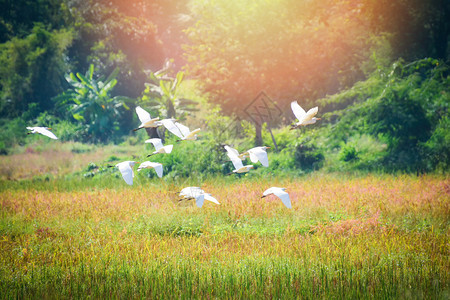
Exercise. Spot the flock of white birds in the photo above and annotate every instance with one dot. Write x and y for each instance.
(257, 154)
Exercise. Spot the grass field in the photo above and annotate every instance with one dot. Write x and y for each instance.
(345, 237)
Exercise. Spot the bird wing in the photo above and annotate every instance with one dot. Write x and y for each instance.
(156, 142)
(284, 196)
(170, 125)
(310, 114)
(231, 150)
(46, 132)
(253, 157)
(199, 200)
(259, 154)
(184, 129)
(148, 164)
(143, 115)
(168, 148)
(237, 162)
(211, 198)
(298, 111)
(192, 134)
(126, 171)
(158, 169)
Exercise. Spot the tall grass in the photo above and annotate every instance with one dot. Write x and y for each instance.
(370, 237)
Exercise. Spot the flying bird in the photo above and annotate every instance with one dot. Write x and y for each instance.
(258, 154)
(198, 194)
(148, 165)
(237, 162)
(304, 118)
(146, 119)
(159, 148)
(126, 169)
(280, 193)
(42, 130)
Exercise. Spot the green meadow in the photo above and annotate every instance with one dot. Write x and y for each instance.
(347, 236)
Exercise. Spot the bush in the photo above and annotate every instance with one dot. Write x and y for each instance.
(348, 153)
(405, 107)
(13, 133)
(437, 147)
(308, 157)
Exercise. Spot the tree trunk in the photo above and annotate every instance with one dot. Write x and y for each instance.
(170, 109)
(152, 132)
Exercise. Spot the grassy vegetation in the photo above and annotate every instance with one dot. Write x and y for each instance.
(346, 237)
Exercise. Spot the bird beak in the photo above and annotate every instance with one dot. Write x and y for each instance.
(263, 196)
(149, 155)
(318, 118)
(267, 147)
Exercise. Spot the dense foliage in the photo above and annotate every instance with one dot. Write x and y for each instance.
(404, 108)
(89, 101)
(389, 109)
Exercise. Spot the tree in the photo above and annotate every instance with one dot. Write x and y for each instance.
(161, 93)
(19, 17)
(291, 49)
(111, 34)
(89, 102)
(417, 28)
(32, 70)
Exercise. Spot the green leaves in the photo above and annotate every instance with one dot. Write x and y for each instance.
(161, 93)
(89, 102)
(403, 107)
(31, 67)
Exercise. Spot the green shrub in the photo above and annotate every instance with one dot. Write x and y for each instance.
(437, 147)
(308, 157)
(348, 153)
(13, 133)
(402, 107)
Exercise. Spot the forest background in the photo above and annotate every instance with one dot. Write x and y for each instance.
(378, 70)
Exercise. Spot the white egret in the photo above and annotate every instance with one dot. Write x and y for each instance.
(183, 132)
(148, 165)
(146, 119)
(280, 193)
(159, 148)
(258, 154)
(126, 169)
(304, 118)
(42, 130)
(237, 162)
(194, 192)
